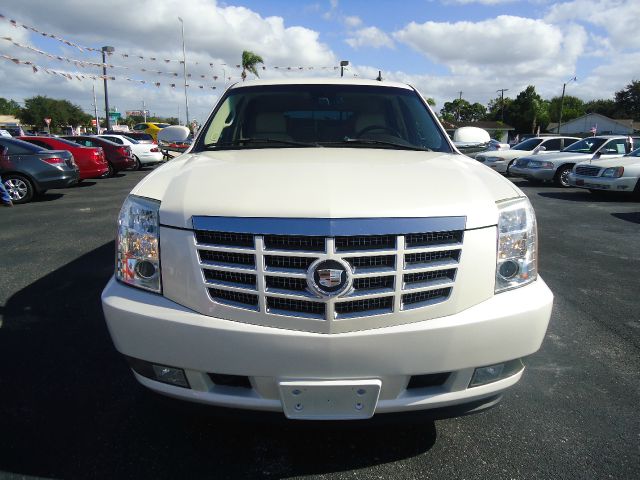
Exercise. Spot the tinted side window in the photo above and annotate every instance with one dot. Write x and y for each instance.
(40, 143)
(614, 147)
(552, 144)
(14, 149)
(115, 140)
(569, 141)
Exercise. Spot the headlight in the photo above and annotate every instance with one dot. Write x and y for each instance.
(539, 164)
(517, 262)
(138, 247)
(613, 172)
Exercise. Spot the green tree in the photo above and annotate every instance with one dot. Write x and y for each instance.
(572, 107)
(460, 110)
(628, 100)
(602, 106)
(61, 112)
(249, 64)
(9, 107)
(528, 111)
(494, 109)
(430, 101)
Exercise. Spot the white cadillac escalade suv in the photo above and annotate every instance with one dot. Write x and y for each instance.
(323, 250)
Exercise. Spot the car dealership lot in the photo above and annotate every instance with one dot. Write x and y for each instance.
(69, 407)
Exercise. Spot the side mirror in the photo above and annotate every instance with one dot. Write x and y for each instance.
(173, 134)
(538, 149)
(471, 140)
(628, 146)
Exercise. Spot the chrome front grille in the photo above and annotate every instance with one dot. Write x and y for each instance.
(267, 272)
(587, 170)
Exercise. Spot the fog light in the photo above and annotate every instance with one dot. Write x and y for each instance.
(145, 269)
(508, 269)
(170, 375)
(493, 373)
(486, 374)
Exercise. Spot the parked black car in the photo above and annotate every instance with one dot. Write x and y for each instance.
(29, 170)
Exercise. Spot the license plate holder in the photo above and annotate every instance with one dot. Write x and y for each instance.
(330, 399)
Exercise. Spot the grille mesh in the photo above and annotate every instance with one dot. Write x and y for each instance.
(435, 238)
(373, 283)
(430, 257)
(230, 258)
(421, 277)
(230, 277)
(236, 297)
(291, 305)
(289, 263)
(587, 170)
(379, 303)
(286, 283)
(368, 242)
(294, 242)
(379, 261)
(419, 297)
(225, 239)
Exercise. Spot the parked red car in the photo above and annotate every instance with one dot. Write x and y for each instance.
(91, 161)
(119, 157)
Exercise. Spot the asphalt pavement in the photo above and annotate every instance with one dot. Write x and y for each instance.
(70, 408)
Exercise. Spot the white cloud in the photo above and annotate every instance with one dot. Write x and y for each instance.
(506, 45)
(352, 21)
(370, 37)
(619, 18)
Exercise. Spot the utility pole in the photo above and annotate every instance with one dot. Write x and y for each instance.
(95, 107)
(564, 86)
(458, 109)
(184, 73)
(502, 90)
(144, 111)
(343, 63)
(106, 50)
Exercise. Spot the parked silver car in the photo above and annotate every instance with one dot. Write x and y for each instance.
(556, 167)
(502, 160)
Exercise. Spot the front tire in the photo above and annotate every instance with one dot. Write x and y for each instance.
(19, 187)
(562, 176)
(138, 165)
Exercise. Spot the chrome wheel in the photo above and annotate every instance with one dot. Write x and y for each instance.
(17, 188)
(562, 177)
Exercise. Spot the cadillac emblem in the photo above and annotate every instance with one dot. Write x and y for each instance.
(329, 278)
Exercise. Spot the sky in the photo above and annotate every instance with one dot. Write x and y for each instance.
(442, 47)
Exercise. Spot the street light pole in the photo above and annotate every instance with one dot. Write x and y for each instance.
(106, 50)
(343, 63)
(95, 107)
(184, 73)
(564, 86)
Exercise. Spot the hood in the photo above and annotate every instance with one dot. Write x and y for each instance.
(325, 183)
(559, 156)
(618, 161)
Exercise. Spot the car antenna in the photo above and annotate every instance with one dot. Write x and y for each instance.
(379, 76)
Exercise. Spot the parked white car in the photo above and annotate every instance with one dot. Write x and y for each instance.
(502, 160)
(145, 154)
(620, 174)
(323, 250)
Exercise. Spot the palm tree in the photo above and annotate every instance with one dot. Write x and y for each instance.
(249, 62)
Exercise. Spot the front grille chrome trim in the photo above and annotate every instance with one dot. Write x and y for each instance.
(275, 283)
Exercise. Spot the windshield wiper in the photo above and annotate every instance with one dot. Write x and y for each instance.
(243, 141)
(370, 141)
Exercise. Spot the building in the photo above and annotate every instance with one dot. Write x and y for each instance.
(594, 123)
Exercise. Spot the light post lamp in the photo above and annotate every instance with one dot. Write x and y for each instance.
(343, 63)
(564, 86)
(106, 50)
(184, 73)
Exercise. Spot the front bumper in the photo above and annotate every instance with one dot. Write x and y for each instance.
(622, 184)
(542, 174)
(152, 328)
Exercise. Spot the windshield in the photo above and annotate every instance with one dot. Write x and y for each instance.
(322, 115)
(586, 145)
(635, 153)
(132, 140)
(529, 144)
